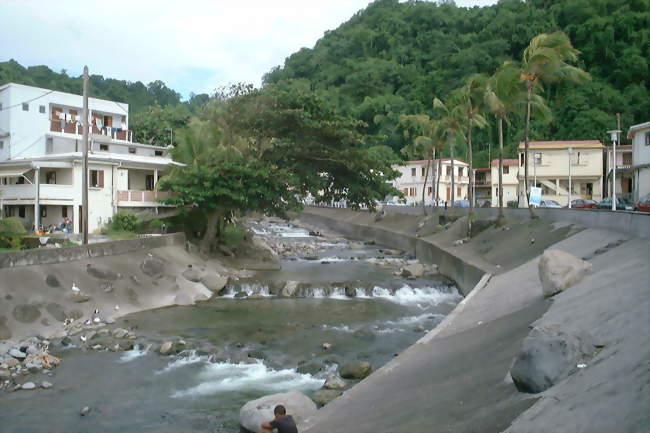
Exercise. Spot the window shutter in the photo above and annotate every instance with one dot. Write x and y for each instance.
(100, 180)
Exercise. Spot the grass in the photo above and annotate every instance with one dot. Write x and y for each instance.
(120, 234)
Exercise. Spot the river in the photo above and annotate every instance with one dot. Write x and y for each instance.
(242, 348)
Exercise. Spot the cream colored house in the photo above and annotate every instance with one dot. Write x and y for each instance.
(640, 136)
(552, 163)
(510, 181)
(411, 180)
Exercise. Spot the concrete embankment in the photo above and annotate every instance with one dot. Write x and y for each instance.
(456, 378)
(116, 277)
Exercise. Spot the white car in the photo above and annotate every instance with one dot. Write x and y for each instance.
(550, 203)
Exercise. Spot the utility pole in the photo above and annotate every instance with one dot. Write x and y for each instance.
(570, 149)
(84, 176)
(615, 136)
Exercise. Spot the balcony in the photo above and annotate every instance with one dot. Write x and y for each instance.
(75, 128)
(28, 192)
(137, 198)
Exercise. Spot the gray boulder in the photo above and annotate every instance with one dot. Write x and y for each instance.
(309, 367)
(28, 386)
(153, 267)
(355, 370)
(289, 290)
(255, 412)
(215, 283)
(102, 273)
(333, 381)
(166, 348)
(559, 270)
(415, 270)
(17, 354)
(193, 274)
(547, 356)
(324, 396)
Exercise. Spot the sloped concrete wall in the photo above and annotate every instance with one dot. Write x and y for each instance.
(44, 256)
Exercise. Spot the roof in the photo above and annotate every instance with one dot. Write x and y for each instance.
(562, 144)
(98, 157)
(436, 160)
(509, 162)
(7, 85)
(636, 128)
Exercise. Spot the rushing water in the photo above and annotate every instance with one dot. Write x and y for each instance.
(244, 348)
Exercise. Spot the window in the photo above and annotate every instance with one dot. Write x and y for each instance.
(49, 145)
(64, 211)
(457, 192)
(21, 180)
(0, 106)
(521, 159)
(647, 138)
(131, 149)
(148, 182)
(422, 171)
(430, 190)
(412, 191)
(50, 177)
(460, 171)
(103, 147)
(506, 169)
(158, 152)
(25, 106)
(21, 211)
(448, 170)
(97, 178)
(413, 172)
(2, 144)
(43, 211)
(41, 109)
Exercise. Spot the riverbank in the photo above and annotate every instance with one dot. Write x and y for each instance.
(456, 379)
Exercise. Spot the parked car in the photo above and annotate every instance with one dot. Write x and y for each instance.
(583, 204)
(643, 204)
(621, 204)
(461, 203)
(550, 203)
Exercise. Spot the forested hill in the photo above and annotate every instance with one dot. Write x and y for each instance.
(138, 95)
(393, 58)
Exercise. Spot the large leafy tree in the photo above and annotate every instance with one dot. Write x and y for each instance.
(546, 60)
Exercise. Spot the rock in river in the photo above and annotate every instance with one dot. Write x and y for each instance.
(28, 386)
(355, 370)
(324, 396)
(334, 382)
(255, 412)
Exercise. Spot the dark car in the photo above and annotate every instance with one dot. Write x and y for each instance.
(621, 204)
(583, 204)
(643, 204)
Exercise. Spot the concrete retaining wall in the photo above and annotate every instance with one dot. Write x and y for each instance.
(44, 256)
(635, 224)
(464, 274)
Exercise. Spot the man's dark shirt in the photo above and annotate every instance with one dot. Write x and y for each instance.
(286, 424)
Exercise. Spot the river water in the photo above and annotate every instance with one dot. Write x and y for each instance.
(242, 348)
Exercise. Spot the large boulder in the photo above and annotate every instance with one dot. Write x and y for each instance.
(415, 270)
(559, 270)
(193, 274)
(215, 283)
(549, 355)
(333, 381)
(290, 289)
(355, 370)
(255, 412)
(153, 267)
(324, 396)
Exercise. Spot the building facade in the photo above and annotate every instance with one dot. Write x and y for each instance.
(412, 177)
(41, 157)
(509, 179)
(482, 187)
(640, 136)
(624, 172)
(552, 165)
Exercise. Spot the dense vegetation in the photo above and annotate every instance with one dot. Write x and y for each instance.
(393, 58)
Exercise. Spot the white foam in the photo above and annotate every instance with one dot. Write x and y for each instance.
(412, 320)
(420, 296)
(136, 353)
(191, 358)
(226, 377)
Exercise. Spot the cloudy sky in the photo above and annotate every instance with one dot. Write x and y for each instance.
(192, 45)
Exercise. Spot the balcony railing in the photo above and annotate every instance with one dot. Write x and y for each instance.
(28, 192)
(137, 197)
(57, 125)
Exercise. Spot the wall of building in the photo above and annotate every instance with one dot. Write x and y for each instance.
(411, 185)
(555, 162)
(5, 115)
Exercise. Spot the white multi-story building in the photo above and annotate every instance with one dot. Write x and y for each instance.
(413, 173)
(509, 179)
(41, 156)
(640, 136)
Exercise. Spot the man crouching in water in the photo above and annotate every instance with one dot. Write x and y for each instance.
(283, 423)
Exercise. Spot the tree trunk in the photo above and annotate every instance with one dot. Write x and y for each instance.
(470, 194)
(501, 168)
(529, 85)
(439, 173)
(434, 175)
(453, 185)
(424, 187)
(210, 231)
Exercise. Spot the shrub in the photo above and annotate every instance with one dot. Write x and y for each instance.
(124, 222)
(13, 225)
(156, 223)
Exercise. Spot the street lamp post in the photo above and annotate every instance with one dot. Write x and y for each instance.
(570, 149)
(614, 135)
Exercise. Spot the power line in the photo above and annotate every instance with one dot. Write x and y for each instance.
(27, 102)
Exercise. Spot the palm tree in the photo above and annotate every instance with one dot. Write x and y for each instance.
(545, 61)
(450, 125)
(472, 96)
(504, 95)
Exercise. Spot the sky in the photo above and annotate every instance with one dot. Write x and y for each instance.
(191, 45)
